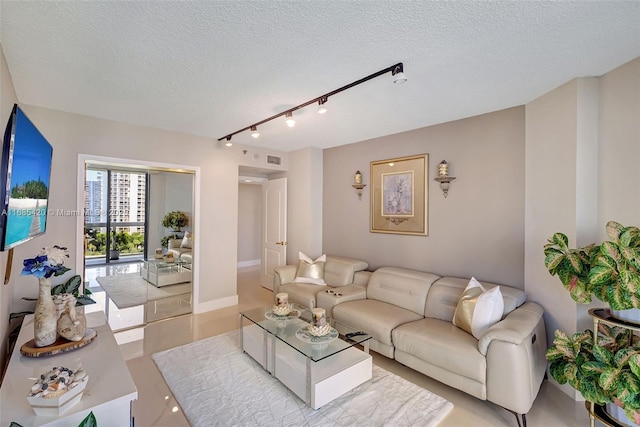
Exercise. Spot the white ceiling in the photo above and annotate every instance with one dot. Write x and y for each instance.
(210, 68)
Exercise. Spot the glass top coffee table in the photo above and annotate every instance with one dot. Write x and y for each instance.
(316, 369)
(160, 273)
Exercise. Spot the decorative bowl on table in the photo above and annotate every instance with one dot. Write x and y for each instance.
(56, 391)
(282, 310)
(305, 334)
(319, 331)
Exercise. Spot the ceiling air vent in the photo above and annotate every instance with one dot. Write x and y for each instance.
(274, 160)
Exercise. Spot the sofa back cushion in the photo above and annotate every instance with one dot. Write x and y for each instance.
(401, 287)
(446, 292)
(339, 271)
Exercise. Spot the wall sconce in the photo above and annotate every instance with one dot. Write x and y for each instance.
(443, 178)
(358, 185)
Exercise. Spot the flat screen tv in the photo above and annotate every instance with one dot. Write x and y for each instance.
(25, 174)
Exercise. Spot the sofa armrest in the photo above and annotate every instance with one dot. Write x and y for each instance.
(361, 278)
(514, 329)
(283, 274)
(515, 350)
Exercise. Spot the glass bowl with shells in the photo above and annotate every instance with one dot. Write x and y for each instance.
(56, 391)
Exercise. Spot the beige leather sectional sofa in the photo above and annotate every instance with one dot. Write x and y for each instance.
(409, 314)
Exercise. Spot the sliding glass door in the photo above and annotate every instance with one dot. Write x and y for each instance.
(115, 215)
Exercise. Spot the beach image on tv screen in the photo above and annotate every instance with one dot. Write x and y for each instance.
(29, 182)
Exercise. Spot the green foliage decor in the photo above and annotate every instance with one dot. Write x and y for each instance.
(610, 271)
(72, 286)
(606, 371)
(175, 220)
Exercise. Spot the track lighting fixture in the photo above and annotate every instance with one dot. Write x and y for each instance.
(398, 74)
(291, 122)
(397, 71)
(321, 107)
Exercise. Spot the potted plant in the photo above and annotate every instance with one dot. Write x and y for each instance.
(605, 370)
(175, 220)
(114, 249)
(609, 271)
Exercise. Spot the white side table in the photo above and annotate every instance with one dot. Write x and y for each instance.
(109, 393)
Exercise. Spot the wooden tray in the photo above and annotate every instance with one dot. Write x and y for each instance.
(61, 345)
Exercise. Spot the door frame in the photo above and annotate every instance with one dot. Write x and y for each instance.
(83, 159)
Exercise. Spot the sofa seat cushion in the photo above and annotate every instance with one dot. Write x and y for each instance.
(444, 345)
(302, 293)
(374, 317)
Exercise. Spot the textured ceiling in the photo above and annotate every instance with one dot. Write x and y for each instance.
(210, 68)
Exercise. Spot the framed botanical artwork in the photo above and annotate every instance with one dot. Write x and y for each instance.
(399, 195)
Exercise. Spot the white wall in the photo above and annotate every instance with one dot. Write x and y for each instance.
(72, 135)
(169, 191)
(305, 198)
(249, 224)
(477, 231)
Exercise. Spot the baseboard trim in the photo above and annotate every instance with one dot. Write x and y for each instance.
(216, 304)
(249, 263)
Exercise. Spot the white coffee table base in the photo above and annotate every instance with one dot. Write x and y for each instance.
(316, 383)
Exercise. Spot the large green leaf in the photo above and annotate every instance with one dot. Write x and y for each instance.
(601, 275)
(560, 240)
(609, 378)
(592, 391)
(614, 230)
(634, 364)
(553, 259)
(603, 355)
(611, 249)
(557, 371)
(630, 382)
(573, 257)
(618, 298)
(622, 356)
(592, 368)
(630, 236)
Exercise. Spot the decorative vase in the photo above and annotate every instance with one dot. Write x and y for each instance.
(45, 316)
(72, 322)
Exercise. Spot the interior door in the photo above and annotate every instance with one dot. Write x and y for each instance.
(274, 234)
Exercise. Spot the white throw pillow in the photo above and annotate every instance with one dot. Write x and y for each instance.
(478, 309)
(187, 241)
(310, 271)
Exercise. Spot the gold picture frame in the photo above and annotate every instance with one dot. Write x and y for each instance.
(399, 195)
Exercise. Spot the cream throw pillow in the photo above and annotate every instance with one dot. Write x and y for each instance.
(187, 241)
(310, 271)
(478, 309)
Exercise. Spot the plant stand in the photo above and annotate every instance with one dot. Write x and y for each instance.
(598, 411)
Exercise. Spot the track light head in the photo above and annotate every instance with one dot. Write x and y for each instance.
(321, 107)
(289, 118)
(398, 74)
(228, 143)
(254, 131)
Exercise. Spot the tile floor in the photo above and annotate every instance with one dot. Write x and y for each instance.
(156, 406)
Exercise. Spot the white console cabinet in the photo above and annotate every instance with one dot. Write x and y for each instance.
(109, 392)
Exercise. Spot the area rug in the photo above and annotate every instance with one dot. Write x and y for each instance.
(129, 290)
(216, 384)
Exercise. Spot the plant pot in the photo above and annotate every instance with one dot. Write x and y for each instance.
(619, 415)
(631, 315)
(114, 255)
